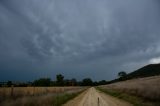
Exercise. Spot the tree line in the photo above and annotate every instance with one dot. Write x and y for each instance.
(60, 81)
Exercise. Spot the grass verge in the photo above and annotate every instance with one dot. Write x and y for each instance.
(42, 100)
(136, 101)
(61, 99)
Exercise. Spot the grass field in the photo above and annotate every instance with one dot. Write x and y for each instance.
(146, 88)
(34, 96)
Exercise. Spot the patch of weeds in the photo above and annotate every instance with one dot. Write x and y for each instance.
(61, 99)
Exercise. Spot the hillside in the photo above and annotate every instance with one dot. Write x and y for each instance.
(146, 71)
(140, 91)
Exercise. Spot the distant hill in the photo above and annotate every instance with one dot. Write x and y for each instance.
(146, 71)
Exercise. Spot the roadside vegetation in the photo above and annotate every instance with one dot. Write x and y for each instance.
(136, 101)
(49, 99)
(140, 92)
(18, 92)
(63, 98)
(41, 92)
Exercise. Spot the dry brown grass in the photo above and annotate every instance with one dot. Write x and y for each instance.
(7, 93)
(44, 100)
(48, 99)
(147, 88)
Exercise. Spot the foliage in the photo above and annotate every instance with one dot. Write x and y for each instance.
(136, 101)
(9, 83)
(59, 80)
(102, 82)
(61, 99)
(87, 82)
(42, 82)
(72, 82)
(122, 74)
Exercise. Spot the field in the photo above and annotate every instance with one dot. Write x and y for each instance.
(33, 96)
(147, 88)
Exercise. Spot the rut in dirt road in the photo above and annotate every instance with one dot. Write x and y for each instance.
(92, 97)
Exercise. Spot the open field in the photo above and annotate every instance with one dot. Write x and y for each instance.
(33, 96)
(147, 88)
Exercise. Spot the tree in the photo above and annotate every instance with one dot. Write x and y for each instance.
(9, 83)
(122, 74)
(102, 82)
(73, 82)
(87, 82)
(42, 82)
(60, 81)
(95, 83)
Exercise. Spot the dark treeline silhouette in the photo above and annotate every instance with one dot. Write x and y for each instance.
(60, 81)
(146, 71)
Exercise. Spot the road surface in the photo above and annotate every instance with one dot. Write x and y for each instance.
(92, 97)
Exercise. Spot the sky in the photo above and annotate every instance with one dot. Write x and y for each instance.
(77, 38)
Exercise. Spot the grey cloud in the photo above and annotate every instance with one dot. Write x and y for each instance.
(84, 38)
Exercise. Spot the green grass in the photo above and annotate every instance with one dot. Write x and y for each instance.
(61, 99)
(136, 101)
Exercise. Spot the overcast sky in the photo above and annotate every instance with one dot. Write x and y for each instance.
(77, 38)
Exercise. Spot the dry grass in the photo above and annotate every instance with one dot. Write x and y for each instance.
(147, 88)
(26, 94)
(42, 100)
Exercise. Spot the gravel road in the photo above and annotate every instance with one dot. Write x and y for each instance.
(92, 97)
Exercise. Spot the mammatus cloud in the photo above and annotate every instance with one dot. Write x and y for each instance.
(83, 39)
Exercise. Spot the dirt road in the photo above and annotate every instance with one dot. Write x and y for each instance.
(92, 97)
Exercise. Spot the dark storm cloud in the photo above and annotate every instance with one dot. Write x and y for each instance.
(77, 38)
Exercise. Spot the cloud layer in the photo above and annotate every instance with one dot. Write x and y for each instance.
(87, 38)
